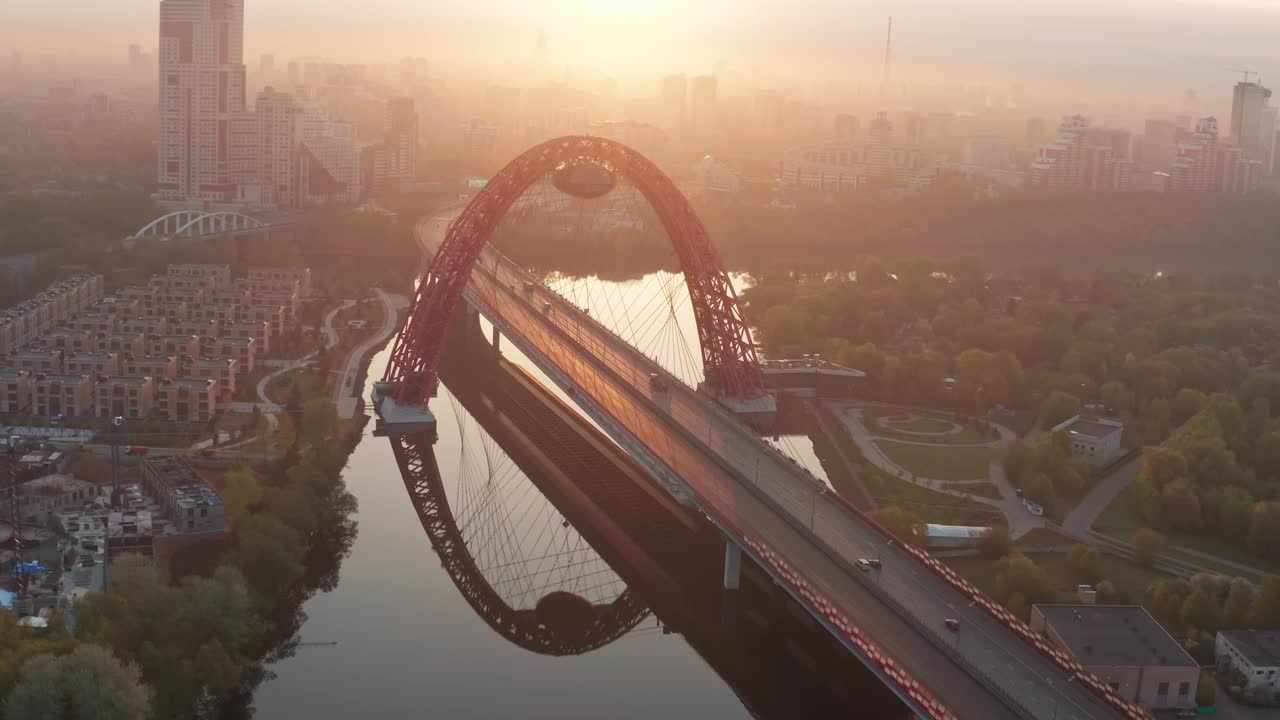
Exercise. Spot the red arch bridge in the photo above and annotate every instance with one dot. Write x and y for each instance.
(695, 443)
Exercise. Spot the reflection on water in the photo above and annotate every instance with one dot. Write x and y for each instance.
(409, 645)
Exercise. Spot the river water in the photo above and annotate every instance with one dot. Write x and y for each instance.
(409, 645)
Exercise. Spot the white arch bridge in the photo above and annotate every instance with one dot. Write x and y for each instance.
(196, 223)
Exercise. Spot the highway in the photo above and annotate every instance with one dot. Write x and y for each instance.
(753, 492)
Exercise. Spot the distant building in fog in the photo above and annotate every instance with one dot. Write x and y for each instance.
(675, 92)
(1083, 158)
(1248, 103)
(1205, 165)
(202, 85)
(702, 105)
(846, 127)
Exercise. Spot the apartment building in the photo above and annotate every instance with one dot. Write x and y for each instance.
(240, 349)
(189, 400)
(92, 364)
(259, 331)
(15, 391)
(120, 343)
(222, 370)
(273, 315)
(36, 360)
(95, 322)
(186, 500)
(154, 366)
(199, 328)
(145, 325)
(282, 274)
(179, 346)
(173, 311)
(132, 398)
(54, 394)
(69, 340)
(119, 307)
(214, 275)
(21, 324)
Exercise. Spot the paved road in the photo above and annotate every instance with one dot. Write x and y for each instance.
(1079, 522)
(756, 492)
(344, 394)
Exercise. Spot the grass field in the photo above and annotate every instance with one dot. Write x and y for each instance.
(939, 462)
(1128, 579)
(920, 425)
(929, 505)
(981, 489)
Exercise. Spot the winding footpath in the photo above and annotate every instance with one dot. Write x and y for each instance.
(1019, 519)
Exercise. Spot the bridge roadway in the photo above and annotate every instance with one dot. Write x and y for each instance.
(753, 492)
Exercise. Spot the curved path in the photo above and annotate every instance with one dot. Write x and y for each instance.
(1019, 519)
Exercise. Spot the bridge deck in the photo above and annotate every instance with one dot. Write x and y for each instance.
(984, 671)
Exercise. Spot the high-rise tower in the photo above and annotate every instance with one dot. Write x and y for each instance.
(202, 86)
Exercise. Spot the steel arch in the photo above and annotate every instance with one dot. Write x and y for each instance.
(728, 355)
(181, 223)
(421, 475)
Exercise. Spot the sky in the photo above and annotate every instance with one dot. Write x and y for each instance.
(1140, 43)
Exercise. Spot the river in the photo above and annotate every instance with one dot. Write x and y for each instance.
(409, 645)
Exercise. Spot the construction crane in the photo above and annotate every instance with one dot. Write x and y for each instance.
(1246, 73)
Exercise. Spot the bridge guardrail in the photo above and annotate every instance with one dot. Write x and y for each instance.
(977, 597)
(888, 667)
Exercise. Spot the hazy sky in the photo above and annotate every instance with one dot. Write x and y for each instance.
(1139, 42)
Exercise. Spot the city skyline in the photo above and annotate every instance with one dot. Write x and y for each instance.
(1180, 46)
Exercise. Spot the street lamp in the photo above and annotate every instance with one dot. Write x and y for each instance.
(115, 462)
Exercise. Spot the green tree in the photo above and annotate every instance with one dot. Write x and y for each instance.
(1147, 546)
(1019, 461)
(1187, 403)
(88, 684)
(1267, 455)
(1017, 574)
(1163, 464)
(1085, 563)
(1201, 611)
(1207, 691)
(995, 542)
(1264, 612)
(1235, 611)
(1264, 529)
(1057, 408)
(319, 420)
(1040, 490)
(1181, 505)
(900, 523)
(270, 555)
(1154, 422)
(240, 493)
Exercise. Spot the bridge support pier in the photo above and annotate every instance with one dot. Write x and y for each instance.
(732, 565)
(497, 339)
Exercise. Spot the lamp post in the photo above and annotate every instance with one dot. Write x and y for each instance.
(115, 462)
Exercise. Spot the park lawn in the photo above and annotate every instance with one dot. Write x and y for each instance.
(1128, 578)
(1121, 519)
(929, 505)
(939, 462)
(921, 425)
(981, 489)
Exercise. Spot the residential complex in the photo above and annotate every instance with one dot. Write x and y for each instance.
(73, 353)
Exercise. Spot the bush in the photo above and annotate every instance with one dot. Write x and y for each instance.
(1207, 691)
(995, 542)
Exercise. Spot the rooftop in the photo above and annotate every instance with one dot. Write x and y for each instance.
(1114, 636)
(1260, 647)
(1096, 428)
